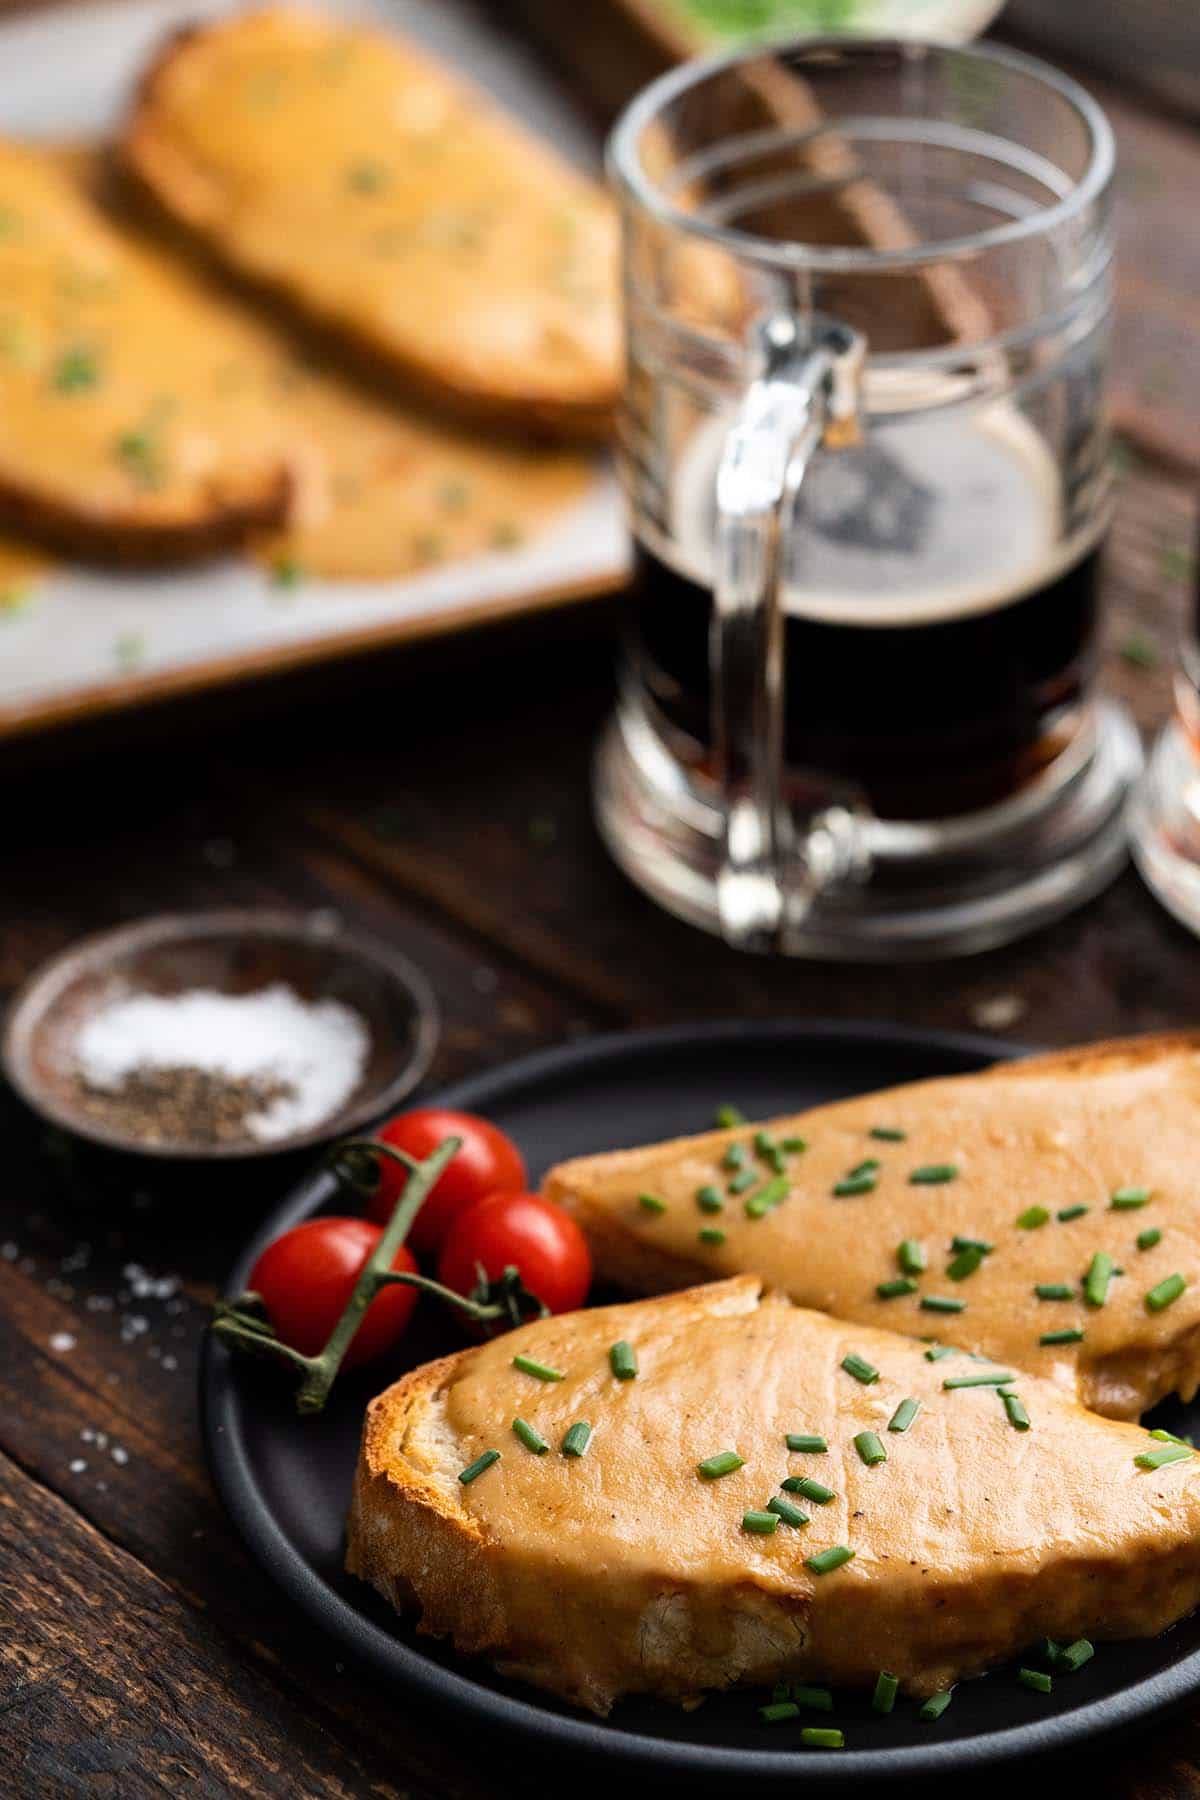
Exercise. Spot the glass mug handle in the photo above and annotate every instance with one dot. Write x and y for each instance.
(805, 392)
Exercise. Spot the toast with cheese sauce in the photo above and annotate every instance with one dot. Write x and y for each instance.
(637, 1567)
(1046, 1212)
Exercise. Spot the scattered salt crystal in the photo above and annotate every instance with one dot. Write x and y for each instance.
(87, 1434)
(101, 1440)
(78, 1467)
(9, 1251)
(998, 1013)
(61, 1342)
(315, 1049)
(120, 1455)
(170, 1362)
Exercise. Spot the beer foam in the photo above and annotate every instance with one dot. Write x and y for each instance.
(937, 517)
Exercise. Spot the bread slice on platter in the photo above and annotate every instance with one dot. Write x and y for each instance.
(383, 198)
(1079, 1163)
(625, 1570)
(120, 436)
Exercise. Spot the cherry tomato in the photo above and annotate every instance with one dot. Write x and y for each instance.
(306, 1277)
(487, 1162)
(542, 1240)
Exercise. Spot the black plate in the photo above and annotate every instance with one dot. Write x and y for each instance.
(286, 1481)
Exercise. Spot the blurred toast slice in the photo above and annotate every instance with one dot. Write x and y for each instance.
(392, 204)
(120, 438)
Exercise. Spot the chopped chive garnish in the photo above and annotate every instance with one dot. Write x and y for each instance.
(886, 1689)
(729, 1116)
(760, 1524)
(576, 1438)
(1169, 1437)
(772, 1194)
(935, 1706)
(941, 1303)
(1166, 1292)
(860, 1369)
(709, 1200)
(807, 1441)
(1071, 1212)
(651, 1203)
(985, 1378)
(1146, 1240)
(794, 1146)
(1036, 1679)
(1072, 1334)
(904, 1415)
(1095, 1282)
(735, 1157)
(827, 1560)
(936, 1352)
(532, 1440)
(723, 1463)
(958, 1242)
(745, 1178)
(933, 1174)
(1158, 1459)
(764, 1143)
(854, 1184)
(1074, 1656)
(871, 1166)
(474, 1470)
(822, 1737)
(778, 1710)
(816, 1699)
(895, 1290)
(870, 1449)
(710, 1235)
(622, 1360)
(887, 1134)
(1014, 1406)
(1032, 1217)
(812, 1490)
(911, 1256)
(1054, 1290)
(965, 1263)
(529, 1365)
(783, 1509)
(1129, 1199)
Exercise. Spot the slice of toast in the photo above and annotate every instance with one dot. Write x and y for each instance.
(119, 438)
(384, 199)
(1025, 1158)
(624, 1570)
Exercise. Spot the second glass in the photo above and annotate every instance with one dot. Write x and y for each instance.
(865, 447)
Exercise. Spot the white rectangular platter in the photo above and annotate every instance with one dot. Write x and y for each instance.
(91, 641)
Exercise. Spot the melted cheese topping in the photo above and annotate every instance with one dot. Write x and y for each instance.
(970, 1540)
(1024, 1144)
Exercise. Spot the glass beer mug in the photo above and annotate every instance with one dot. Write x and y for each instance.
(864, 444)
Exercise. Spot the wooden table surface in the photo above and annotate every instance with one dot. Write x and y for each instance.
(440, 800)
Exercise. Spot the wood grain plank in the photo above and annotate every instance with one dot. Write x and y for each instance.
(109, 1684)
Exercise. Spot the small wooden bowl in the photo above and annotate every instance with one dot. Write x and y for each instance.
(234, 953)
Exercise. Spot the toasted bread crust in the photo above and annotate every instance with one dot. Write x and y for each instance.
(131, 538)
(576, 401)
